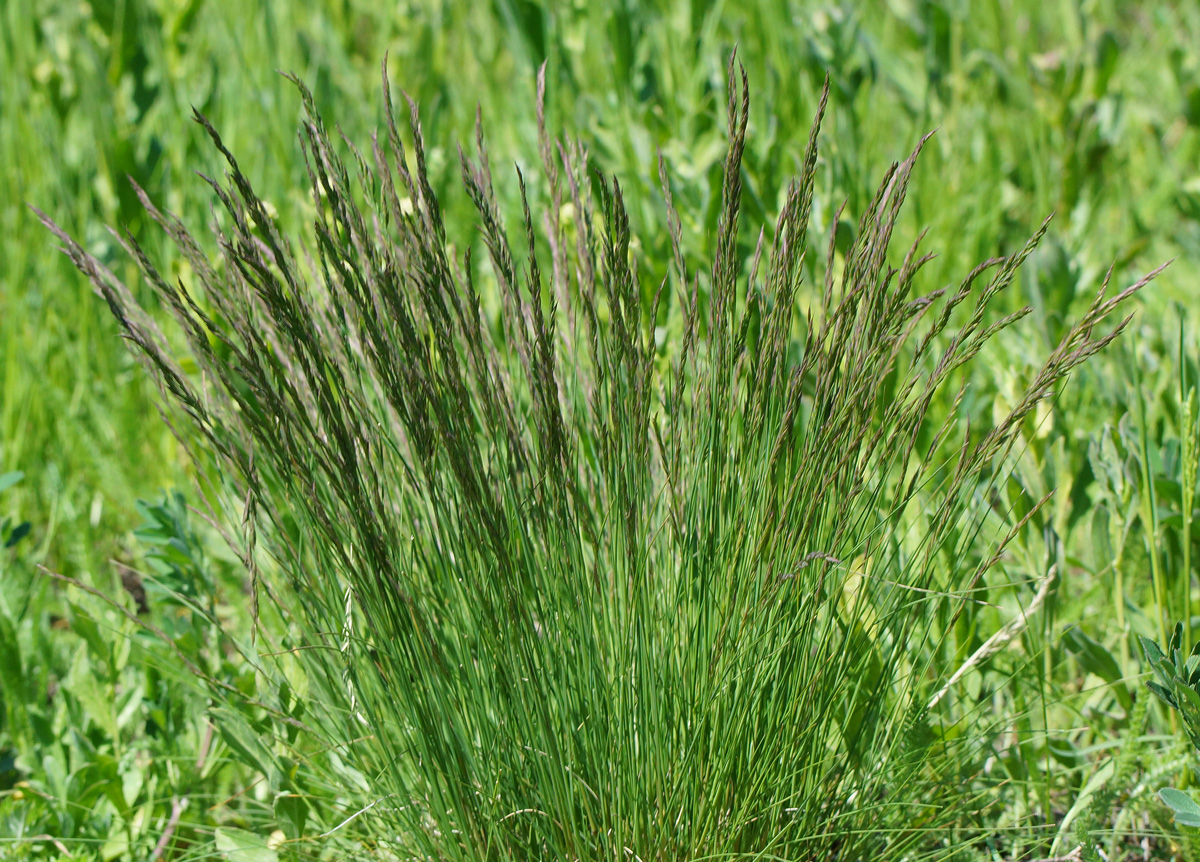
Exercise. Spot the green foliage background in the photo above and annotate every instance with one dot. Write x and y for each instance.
(1087, 110)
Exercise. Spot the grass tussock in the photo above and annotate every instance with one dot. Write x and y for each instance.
(558, 590)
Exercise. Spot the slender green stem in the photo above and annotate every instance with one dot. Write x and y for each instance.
(1149, 515)
(1187, 433)
(1122, 623)
(1188, 496)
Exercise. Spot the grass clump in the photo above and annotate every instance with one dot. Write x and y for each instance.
(557, 590)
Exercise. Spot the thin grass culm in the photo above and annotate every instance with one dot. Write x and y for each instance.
(558, 591)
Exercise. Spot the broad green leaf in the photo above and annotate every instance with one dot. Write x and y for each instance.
(1092, 655)
(292, 811)
(1151, 649)
(1095, 658)
(7, 480)
(117, 844)
(1187, 812)
(108, 768)
(85, 626)
(1108, 51)
(1102, 546)
(19, 532)
(12, 668)
(131, 783)
(242, 738)
(238, 845)
(1064, 752)
(1162, 693)
(93, 694)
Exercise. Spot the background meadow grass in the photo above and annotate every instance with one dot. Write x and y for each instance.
(1090, 111)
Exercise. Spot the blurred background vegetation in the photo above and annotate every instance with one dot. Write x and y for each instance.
(1087, 110)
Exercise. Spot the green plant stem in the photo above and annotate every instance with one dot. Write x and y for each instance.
(1149, 517)
(1187, 500)
(1122, 623)
(1185, 577)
